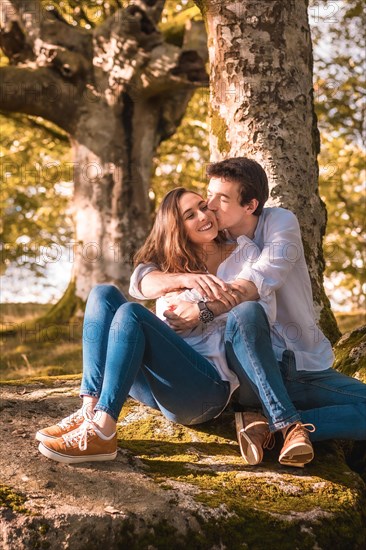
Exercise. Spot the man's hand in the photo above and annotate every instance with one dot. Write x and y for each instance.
(247, 289)
(209, 286)
(182, 316)
(233, 297)
(156, 283)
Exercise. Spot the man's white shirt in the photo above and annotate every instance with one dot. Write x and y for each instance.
(277, 267)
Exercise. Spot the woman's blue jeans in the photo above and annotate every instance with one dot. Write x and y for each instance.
(127, 350)
(333, 402)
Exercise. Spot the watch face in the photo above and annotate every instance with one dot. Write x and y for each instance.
(206, 315)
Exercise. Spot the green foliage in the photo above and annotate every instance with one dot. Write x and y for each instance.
(35, 197)
(181, 161)
(173, 21)
(342, 173)
(339, 66)
(35, 210)
(337, 30)
(90, 13)
(84, 13)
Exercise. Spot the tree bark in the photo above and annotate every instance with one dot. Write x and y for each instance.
(118, 91)
(261, 97)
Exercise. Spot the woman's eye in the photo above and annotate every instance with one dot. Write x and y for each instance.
(189, 217)
(204, 207)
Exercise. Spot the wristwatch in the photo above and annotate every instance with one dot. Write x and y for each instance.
(205, 314)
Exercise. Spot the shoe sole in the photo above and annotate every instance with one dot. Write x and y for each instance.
(59, 457)
(297, 455)
(249, 452)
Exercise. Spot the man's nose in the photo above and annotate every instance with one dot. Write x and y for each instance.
(212, 203)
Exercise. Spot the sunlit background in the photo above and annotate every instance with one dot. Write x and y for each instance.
(37, 238)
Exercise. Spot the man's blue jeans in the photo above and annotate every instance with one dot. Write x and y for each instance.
(127, 350)
(333, 402)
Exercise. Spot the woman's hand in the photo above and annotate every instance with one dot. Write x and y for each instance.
(182, 316)
(210, 286)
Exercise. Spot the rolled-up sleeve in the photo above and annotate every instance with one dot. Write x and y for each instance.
(281, 251)
(136, 278)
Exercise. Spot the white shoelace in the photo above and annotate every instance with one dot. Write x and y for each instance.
(70, 420)
(80, 435)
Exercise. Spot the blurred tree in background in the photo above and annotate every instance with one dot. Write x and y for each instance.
(35, 197)
(118, 86)
(337, 30)
(339, 69)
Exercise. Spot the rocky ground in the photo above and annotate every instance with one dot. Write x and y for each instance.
(170, 487)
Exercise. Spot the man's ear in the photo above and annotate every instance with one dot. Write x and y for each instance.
(252, 206)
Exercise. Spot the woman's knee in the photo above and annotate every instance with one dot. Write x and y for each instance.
(104, 292)
(129, 310)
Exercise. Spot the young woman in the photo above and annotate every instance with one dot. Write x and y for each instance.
(127, 350)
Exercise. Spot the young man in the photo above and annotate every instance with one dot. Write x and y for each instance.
(292, 363)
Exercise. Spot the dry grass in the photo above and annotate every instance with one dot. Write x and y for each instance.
(35, 352)
(57, 349)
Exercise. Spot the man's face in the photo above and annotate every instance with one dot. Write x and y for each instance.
(223, 199)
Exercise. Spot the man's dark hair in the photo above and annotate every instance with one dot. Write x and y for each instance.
(252, 179)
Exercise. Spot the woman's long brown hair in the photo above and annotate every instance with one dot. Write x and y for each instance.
(167, 246)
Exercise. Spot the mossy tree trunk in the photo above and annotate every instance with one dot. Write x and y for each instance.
(118, 90)
(261, 91)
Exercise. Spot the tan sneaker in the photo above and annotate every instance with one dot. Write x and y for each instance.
(297, 449)
(253, 434)
(86, 444)
(63, 427)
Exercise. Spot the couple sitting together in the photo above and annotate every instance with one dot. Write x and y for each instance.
(234, 321)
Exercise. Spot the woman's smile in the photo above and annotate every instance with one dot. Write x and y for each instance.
(206, 227)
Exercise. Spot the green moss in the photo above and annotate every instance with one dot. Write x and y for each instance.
(10, 499)
(44, 380)
(43, 528)
(54, 319)
(344, 361)
(219, 129)
(64, 309)
(280, 500)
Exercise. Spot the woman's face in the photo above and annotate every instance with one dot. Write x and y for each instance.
(199, 222)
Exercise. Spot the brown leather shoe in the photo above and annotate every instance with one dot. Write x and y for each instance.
(85, 444)
(297, 449)
(63, 427)
(253, 434)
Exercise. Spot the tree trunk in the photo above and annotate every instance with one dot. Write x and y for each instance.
(262, 107)
(112, 179)
(118, 91)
